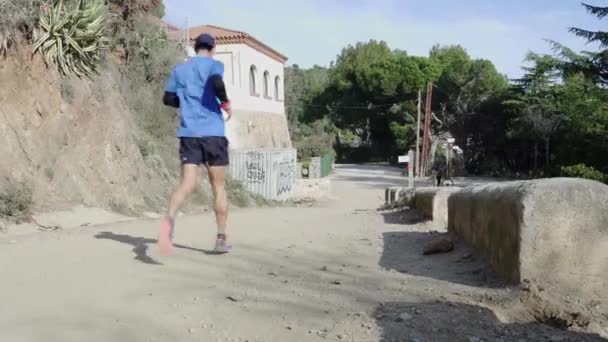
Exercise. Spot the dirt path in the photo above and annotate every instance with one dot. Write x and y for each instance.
(340, 271)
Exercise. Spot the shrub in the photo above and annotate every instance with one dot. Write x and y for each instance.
(15, 203)
(584, 171)
(149, 59)
(18, 19)
(73, 36)
(314, 140)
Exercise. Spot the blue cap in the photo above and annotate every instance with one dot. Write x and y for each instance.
(204, 40)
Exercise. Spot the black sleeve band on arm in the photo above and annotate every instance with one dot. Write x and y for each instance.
(171, 99)
(220, 88)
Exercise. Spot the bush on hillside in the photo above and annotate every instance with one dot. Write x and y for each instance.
(18, 20)
(584, 171)
(149, 57)
(15, 203)
(127, 10)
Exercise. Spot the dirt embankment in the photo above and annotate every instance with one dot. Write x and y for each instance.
(74, 141)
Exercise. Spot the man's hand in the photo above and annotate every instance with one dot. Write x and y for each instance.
(228, 109)
(228, 114)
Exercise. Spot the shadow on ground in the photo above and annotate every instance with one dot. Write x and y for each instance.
(402, 216)
(140, 246)
(402, 252)
(373, 182)
(456, 322)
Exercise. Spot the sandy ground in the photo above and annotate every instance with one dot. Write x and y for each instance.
(338, 271)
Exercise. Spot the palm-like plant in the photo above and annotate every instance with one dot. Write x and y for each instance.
(73, 36)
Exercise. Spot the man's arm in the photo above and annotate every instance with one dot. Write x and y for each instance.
(220, 89)
(170, 98)
(217, 82)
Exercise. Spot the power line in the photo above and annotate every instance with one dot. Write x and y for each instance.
(370, 106)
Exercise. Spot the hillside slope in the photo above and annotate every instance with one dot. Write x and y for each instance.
(74, 141)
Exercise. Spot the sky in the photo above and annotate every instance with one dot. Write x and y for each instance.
(313, 32)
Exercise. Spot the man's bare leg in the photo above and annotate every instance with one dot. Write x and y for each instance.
(217, 181)
(185, 188)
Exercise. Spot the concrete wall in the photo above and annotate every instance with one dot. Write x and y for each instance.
(249, 129)
(269, 173)
(550, 232)
(399, 196)
(432, 203)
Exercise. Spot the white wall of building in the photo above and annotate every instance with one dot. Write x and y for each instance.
(238, 59)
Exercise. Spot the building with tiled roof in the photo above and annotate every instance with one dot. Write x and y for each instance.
(225, 36)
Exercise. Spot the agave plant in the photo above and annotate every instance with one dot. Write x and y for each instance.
(73, 36)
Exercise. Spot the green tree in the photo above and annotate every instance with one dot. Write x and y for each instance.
(301, 87)
(464, 103)
(594, 36)
(568, 91)
(538, 102)
(372, 92)
(463, 86)
(592, 64)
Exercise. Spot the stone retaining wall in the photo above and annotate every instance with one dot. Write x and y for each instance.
(432, 203)
(552, 232)
(253, 130)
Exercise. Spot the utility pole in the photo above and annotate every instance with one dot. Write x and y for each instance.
(418, 135)
(427, 130)
(187, 31)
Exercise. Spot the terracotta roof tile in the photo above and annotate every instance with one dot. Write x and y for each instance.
(225, 36)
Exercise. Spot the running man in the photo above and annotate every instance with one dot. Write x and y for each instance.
(195, 88)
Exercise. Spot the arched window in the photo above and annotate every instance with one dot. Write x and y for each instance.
(277, 88)
(266, 84)
(252, 84)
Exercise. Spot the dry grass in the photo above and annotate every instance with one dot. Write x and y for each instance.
(18, 20)
(15, 203)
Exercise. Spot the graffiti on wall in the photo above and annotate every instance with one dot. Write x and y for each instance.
(285, 176)
(254, 162)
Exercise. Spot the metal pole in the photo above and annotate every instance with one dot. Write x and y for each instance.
(410, 167)
(187, 31)
(426, 140)
(418, 135)
(448, 153)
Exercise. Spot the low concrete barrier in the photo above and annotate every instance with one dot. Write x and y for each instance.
(398, 195)
(432, 204)
(552, 232)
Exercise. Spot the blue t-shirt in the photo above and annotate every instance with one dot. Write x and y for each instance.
(200, 112)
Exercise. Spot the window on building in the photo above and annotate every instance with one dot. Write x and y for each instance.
(277, 88)
(252, 82)
(266, 86)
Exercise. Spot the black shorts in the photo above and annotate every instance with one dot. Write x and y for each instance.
(212, 151)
